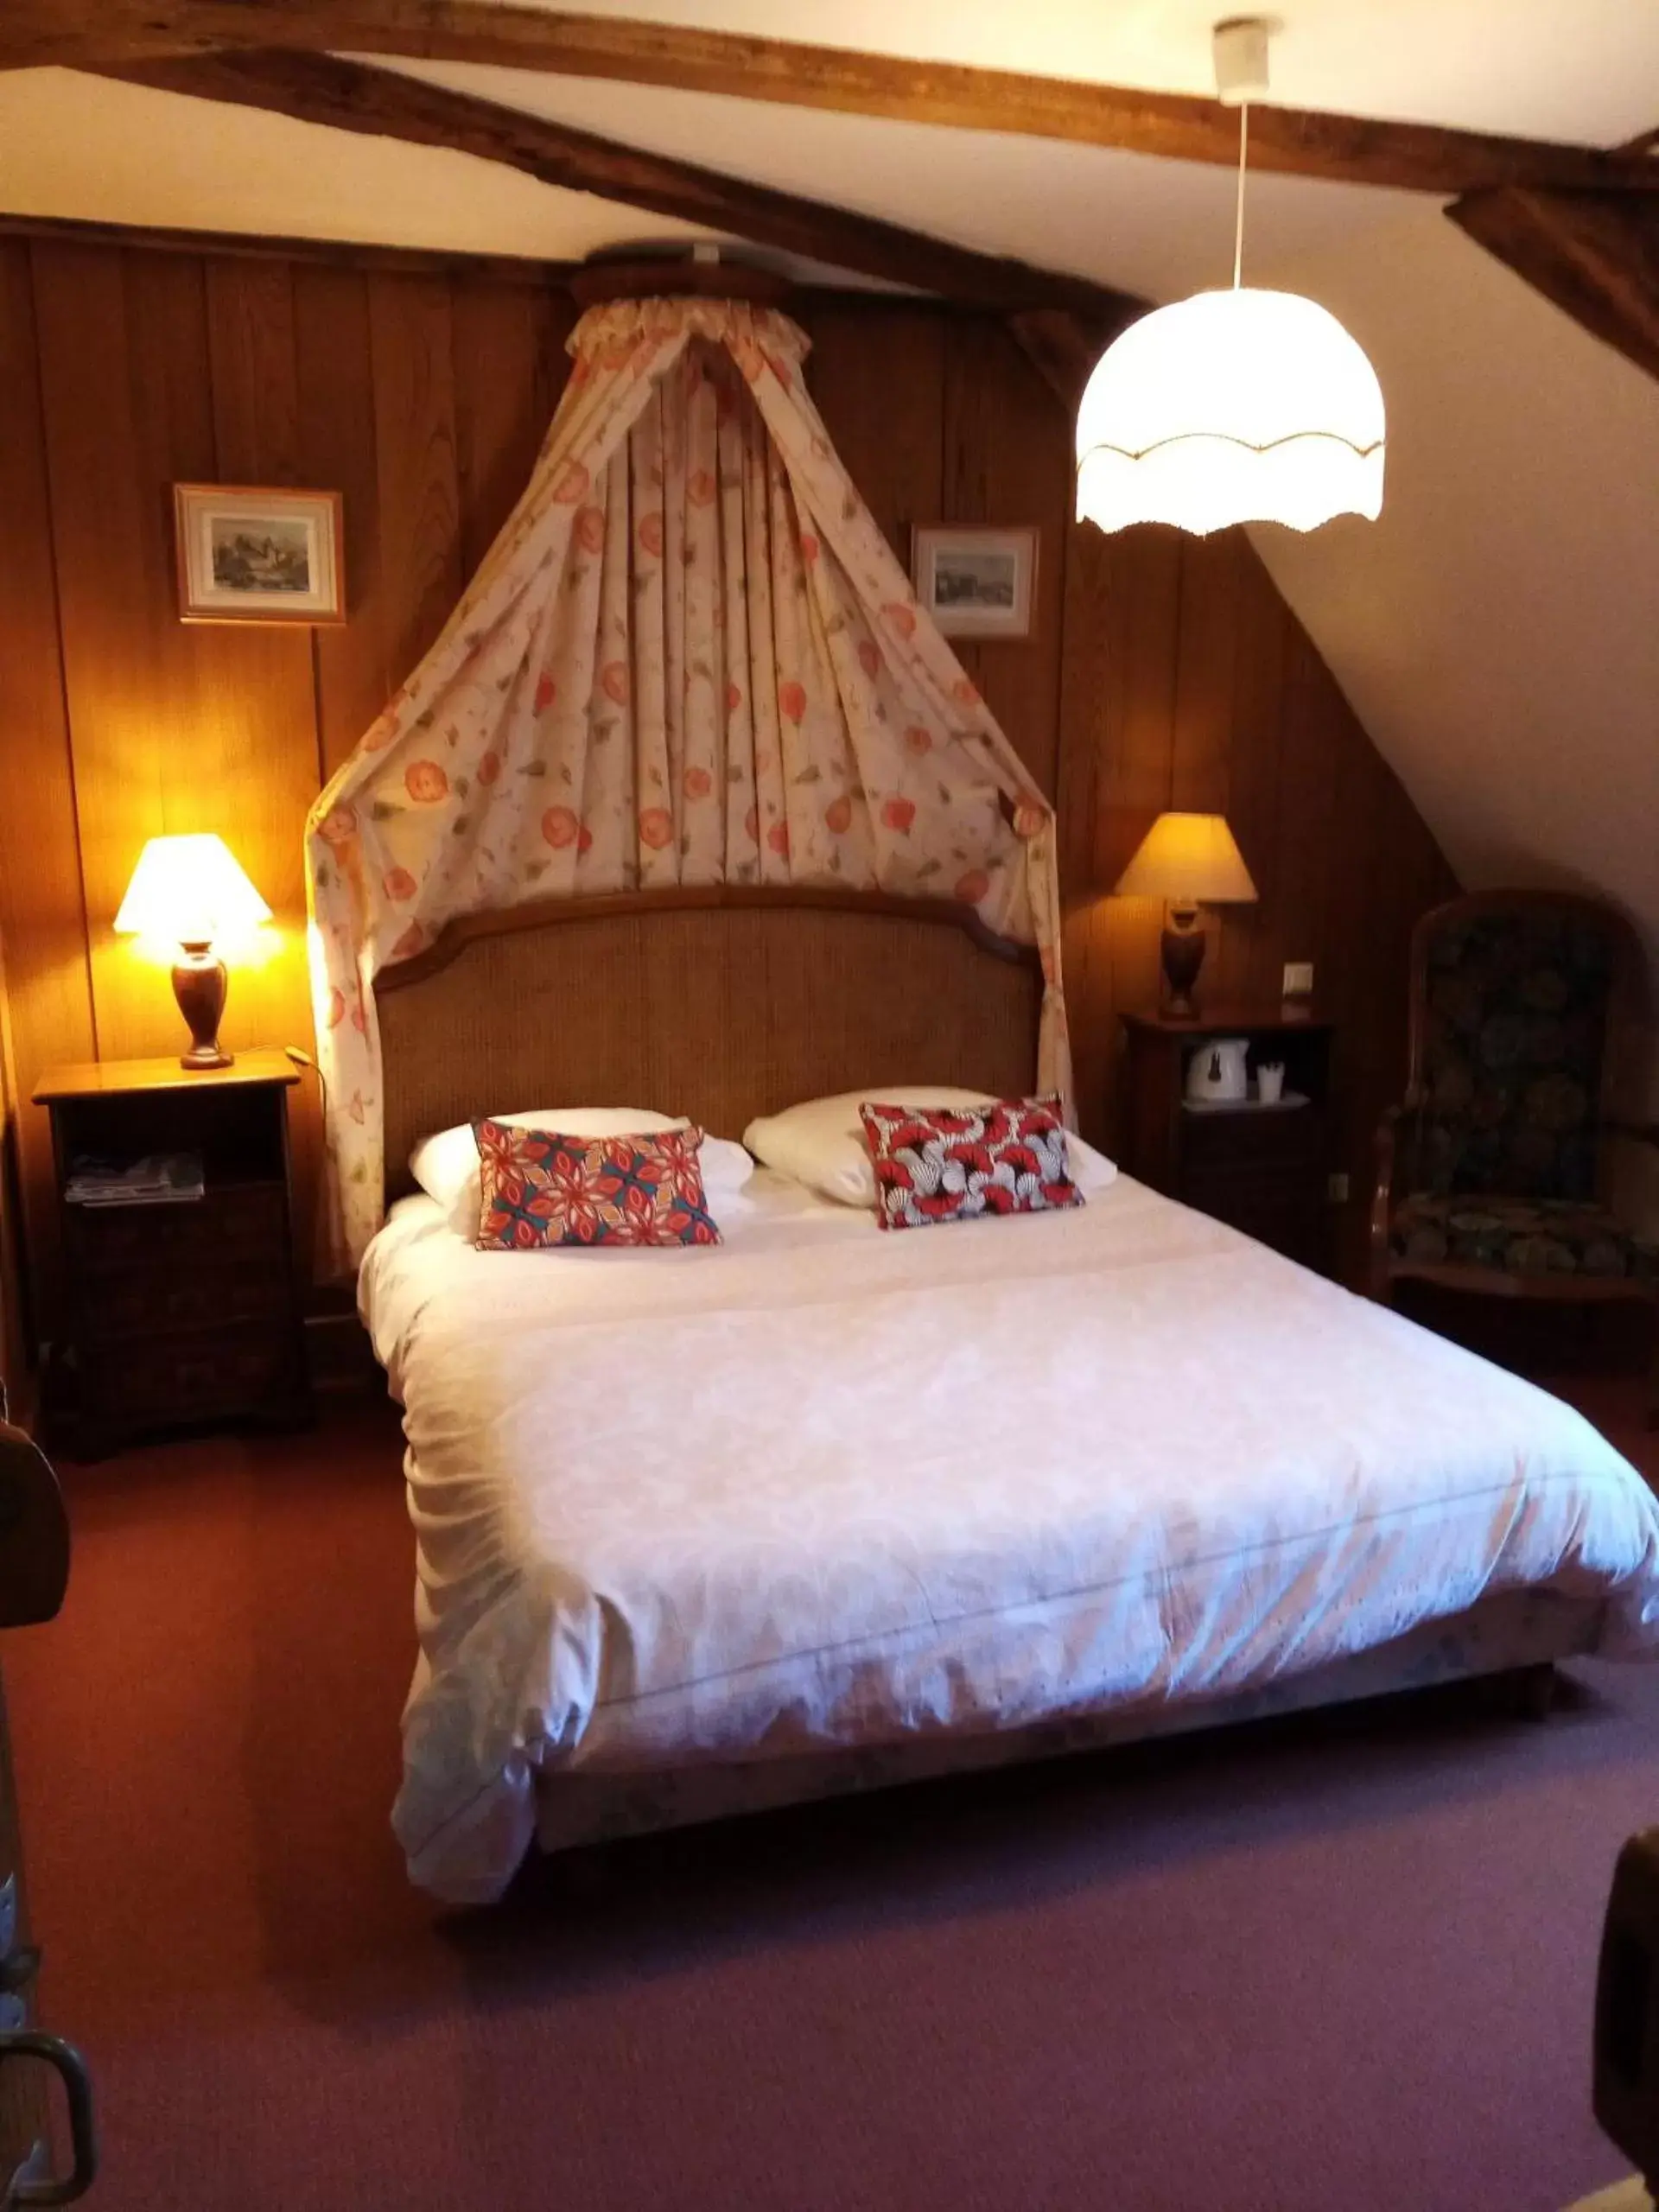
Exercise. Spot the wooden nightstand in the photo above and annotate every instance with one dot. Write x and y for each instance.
(1260, 1169)
(185, 1312)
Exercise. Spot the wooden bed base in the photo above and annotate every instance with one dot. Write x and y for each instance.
(1509, 1642)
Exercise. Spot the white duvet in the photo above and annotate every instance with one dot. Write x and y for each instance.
(828, 1486)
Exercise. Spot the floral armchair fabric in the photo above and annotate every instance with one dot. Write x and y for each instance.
(1513, 1037)
(1513, 1019)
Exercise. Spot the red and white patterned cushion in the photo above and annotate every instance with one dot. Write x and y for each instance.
(958, 1163)
(540, 1187)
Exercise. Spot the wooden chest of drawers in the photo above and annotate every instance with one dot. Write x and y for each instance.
(185, 1312)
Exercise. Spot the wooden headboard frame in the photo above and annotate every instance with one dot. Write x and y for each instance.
(719, 1001)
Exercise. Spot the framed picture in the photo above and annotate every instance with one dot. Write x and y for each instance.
(252, 555)
(975, 582)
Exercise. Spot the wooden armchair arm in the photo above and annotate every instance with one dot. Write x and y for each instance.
(35, 1557)
(1635, 1132)
(1383, 1199)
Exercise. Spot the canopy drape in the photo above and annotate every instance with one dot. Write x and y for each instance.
(690, 657)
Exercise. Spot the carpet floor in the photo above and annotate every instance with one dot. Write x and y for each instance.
(1343, 1961)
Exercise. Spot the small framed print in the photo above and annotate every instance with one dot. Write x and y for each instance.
(975, 582)
(252, 555)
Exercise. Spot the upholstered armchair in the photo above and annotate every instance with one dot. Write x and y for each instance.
(1493, 1174)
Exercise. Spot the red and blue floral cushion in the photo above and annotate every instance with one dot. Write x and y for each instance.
(961, 1163)
(543, 1188)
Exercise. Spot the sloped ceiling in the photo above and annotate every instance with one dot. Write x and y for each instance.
(1497, 628)
(1497, 631)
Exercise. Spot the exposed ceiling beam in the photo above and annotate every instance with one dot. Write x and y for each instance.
(1594, 254)
(349, 96)
(1341, 149)
(1063, 347)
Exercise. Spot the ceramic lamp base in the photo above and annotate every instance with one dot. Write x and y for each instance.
(200, 984)
(1182, 944)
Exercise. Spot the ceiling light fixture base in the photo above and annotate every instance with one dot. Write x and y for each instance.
(1239, 44)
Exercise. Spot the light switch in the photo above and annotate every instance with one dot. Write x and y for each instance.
(1299, 979)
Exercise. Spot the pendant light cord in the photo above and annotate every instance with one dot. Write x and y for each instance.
(1238, 223)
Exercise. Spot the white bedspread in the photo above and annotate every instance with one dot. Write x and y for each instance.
(827, 1486)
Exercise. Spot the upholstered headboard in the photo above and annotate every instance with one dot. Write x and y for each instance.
(721, 1003)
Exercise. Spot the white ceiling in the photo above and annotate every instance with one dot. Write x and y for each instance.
(1577, 69)
(72, 145)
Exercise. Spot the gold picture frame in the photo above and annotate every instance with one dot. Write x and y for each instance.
(250, 553)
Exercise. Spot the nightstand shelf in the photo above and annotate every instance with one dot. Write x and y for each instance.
(186, 1313)
(1262, 1169)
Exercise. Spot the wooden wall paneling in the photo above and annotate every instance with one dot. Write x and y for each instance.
(255, 762)
(43, 920)
(1202, 736)
(1304, 807)
(334, 400)
(1007, 459)
(238, 743)
(510, 367)
(116, 441)
(410, 327)
(878, 381)
(15, 1378)
(1250, 959)
(1350, 930)
(255, 381)
(1206, 642)
(1089, 697)
(1137, 778)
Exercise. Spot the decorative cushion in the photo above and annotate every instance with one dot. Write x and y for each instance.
(542, 1187)
(822, 1142)
(958, 1163)
(446, 1166)
(1521, 1236)
(446, 1163)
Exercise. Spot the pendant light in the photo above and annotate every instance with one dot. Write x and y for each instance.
(1234, 406)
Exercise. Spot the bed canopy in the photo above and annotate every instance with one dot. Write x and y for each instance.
(690, 657)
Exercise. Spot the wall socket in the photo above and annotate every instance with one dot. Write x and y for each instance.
(1299, 979)
(1335, 1189)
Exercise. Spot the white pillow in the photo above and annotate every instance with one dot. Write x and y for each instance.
(1091, 1170)
(446, 1166)
(822, 1142)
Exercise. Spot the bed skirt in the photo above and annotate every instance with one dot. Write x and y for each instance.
(1520, 1628)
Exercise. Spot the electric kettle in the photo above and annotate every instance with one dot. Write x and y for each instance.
(1215, 1073)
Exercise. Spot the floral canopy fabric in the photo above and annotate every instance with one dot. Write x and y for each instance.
(690, 657)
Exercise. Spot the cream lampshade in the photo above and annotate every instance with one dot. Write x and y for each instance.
(1240, 406)
(192, 891)
(1236, 406)
(1188, 861)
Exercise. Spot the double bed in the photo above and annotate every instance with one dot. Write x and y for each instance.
(701, 1530)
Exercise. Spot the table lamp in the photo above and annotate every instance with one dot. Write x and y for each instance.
(1188, 861)
(191, 890)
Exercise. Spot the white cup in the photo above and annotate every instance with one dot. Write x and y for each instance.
(1270, 1083)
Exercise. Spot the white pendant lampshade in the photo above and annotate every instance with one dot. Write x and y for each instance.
(1235, 406)
(1239, 406)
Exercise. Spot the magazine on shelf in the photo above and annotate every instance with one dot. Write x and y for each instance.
(161, 1178)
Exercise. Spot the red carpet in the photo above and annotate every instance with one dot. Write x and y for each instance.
(1336, 1966)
